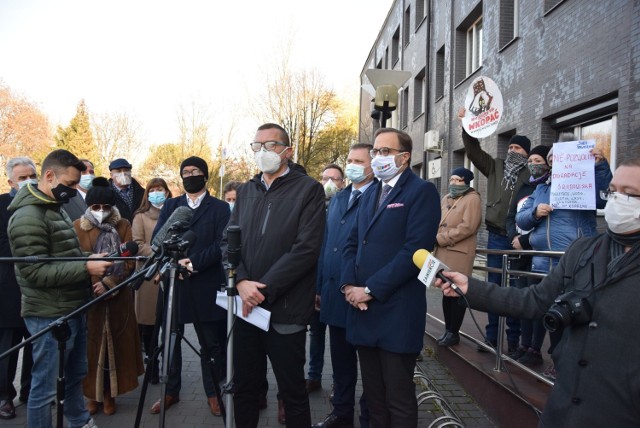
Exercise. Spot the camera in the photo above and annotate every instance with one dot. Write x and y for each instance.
(568, 309)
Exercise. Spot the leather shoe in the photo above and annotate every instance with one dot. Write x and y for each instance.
(313, 385)
(108, 405)
(332, 421)
(214, 406)
(282, 420)
(450, 339)
(7, 409)
(92, 407)
(169, 400)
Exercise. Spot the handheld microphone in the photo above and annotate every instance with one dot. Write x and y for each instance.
(126, 249)
(181, 215)
(431, 268)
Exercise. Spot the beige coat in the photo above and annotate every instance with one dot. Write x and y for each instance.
(457, 234)
(147, 295)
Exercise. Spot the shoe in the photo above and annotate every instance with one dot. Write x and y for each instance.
(313, 385)
(512, 348)
(450, 339)
(169, 400)
(489, 344)
(531, 359)
(92, 407)
(550, 372)
(214, 406)
(332, 421)
(262, 402)
(518, 352)
(7, 409)
(282, 420)
(90, 424)
(443, 336)
(108, 405)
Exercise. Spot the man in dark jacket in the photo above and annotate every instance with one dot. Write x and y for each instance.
(195, 296)
(129, 192)
(281, 216)
(40, 227)
(20, 171)
(597, 382)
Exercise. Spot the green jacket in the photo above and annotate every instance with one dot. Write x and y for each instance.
(498, 199)
(40, 227)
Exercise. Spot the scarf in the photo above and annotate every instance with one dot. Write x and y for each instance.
(512, 166)
(107, 241)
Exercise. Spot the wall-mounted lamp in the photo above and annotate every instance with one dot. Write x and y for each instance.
(386, 83)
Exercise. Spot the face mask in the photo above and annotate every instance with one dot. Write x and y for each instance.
(231, 205)
(384, 167)
(194, 183)
(330, 189)
(100, 216)
(268, 162)
(456, 190)
(355, 173)
(21, 184)
(86, 181)
(157, 198)
(63, 193)
(123, 178)
(538, 170)
(622, 215)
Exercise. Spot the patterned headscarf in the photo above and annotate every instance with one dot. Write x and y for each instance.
(512, 166)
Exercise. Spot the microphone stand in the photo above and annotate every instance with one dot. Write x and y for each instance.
(61, 332)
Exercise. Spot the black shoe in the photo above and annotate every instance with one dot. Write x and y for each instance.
(443, 336)
(531, 358)
(489, 344)
(332, 421)
(518, 352)
(7, 410)
(450, 339)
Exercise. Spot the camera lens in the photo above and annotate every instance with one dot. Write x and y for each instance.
(556, 318)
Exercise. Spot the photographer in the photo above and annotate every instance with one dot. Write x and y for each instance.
(592, 294)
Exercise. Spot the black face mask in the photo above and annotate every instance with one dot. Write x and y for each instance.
(194, 183)
(63, 193)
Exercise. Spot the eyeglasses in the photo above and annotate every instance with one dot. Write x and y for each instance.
(195, 172)
(268, 145)
(326, 178)
(384, 151)
(608, 195)
(100, 207)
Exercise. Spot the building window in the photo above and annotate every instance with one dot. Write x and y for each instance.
(395, 47)
(439, 86)
(404, 112)
(509, 21)
(406, 30)
(474, 47)
(386, 58)
(420, 12)
(603, 131)
(419, 93)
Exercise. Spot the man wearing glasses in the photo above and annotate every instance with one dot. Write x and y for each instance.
(281, 215)
(129, 192)
(195, 296)
(386, 319)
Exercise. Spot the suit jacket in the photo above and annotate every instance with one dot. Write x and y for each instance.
(9, 289)
(75, 207)
(379, 255)
(196, 295)
(340, 221)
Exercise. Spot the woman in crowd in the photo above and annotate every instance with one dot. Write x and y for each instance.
(113, 344)
(146, 298)
(457, 237)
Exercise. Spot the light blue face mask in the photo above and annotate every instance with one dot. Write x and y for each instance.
(86, 181)
(355, 173)
(157, 198)
(21, 184)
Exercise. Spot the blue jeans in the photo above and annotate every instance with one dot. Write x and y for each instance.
(317, 334)
(45, 373)
(499, 242)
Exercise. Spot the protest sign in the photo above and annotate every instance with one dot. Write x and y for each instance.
(573, 181)
(483, 106)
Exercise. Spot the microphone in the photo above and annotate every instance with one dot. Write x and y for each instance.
(234, 245)
(431, 268)
(126, 249)
(180, 217)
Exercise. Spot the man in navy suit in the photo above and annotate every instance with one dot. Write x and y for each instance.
(195, 296)
(341, 216)
(388, 305)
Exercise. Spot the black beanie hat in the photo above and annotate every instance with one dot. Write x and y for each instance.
(100, 193)
(541, 151)
(522, 141)
(463, 173)
(199, 163)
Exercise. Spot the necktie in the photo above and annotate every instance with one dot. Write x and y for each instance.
(354, 197)
(383, 195)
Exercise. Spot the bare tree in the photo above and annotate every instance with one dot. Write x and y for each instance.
(116, 136)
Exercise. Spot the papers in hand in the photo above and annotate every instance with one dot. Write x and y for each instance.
(258, 316)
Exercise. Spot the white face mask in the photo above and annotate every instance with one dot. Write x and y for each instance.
(100, 215)
(123, 178)
(21, 184)
(231, 205)
(384, 167)
(622, 214)
(330, 189)
(267, 162)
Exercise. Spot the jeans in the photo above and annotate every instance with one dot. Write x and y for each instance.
(317, 334)
(45, 373)
(499, 242)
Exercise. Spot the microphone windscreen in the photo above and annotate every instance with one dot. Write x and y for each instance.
(419, 257)
(180, 214)
(131, 248)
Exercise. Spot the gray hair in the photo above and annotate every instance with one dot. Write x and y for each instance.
(18, 161)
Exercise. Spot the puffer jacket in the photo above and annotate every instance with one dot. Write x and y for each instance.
(40, 227)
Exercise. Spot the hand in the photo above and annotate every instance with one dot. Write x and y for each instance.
(317, 303)
(357, 297)
(98, 267)
(186, 263)
(99, 288)
(459, 279)
(516, 243)
(250, 294)
(543, 210)
(461, 113)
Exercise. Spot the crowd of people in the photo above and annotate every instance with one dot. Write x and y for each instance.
(333, 252)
